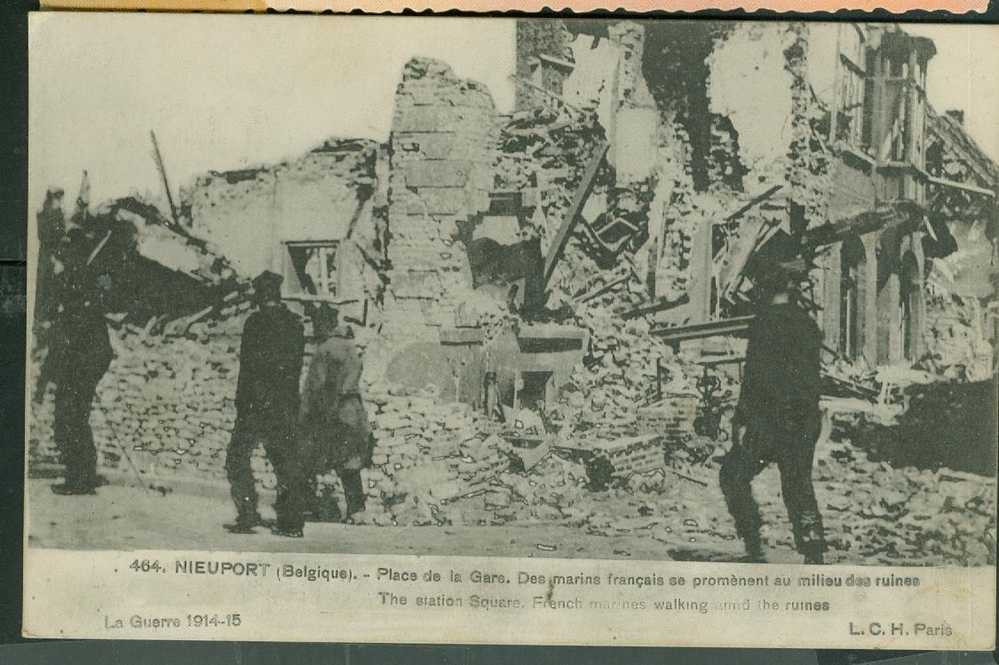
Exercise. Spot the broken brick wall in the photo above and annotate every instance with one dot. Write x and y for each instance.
(959, 335)
(168, 396)
(441, 174)
(326, 194)
(737, 117)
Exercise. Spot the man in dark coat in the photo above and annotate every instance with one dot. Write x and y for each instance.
(777, 418)
(79, 353)
(333, 420)
(78, 344)
(270, 363)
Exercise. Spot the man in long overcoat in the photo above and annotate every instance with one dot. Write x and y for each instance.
(777, 419)
(270, 364)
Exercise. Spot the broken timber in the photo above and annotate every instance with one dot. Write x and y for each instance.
(579, 198)
(675, 335)
(944, 182)
(893, 214)
(158, 158)
(659, 306)
(756, 200)
(553, 95)
(596, 293)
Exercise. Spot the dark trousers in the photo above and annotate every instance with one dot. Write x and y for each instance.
(278, 439)
(74, 397)
(789, 440)
(353, 490)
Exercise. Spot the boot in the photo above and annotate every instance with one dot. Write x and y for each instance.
(814, 554)
(754, 549)
(353, 489)
(244, 524)
(324, 508)
(73, 489)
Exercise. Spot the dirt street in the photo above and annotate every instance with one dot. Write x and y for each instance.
(874, 514)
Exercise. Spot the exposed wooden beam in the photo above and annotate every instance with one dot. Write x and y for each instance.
(604, 289)
(705, 329)
(660, 306)
(944, 182)
(553, 95)
(752, 203)
(583, 190)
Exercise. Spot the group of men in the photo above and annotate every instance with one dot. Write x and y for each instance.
(304, 434)
(323, 428)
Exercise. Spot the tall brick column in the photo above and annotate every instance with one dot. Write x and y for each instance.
(443, 133)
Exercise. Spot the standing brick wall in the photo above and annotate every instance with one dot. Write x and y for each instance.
(441, 174)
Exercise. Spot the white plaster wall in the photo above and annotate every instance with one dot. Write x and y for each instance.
(822, 59)
(591, 82)
(749, 84)
(306, 200)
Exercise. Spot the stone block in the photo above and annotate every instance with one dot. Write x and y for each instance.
(437, 173)
(435, 95)
(436, 118)
(416, 285)
(437, 200)
(431, 145)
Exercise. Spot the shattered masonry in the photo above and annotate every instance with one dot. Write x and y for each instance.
(552, 246)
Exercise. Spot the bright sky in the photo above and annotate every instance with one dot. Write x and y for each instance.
(962, 75)
(223, 92)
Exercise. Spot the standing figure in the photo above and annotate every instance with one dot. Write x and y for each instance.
(270, 363)
(79, 353)
(777, 418)
(333, 420)
(78, 343)
(51, 229)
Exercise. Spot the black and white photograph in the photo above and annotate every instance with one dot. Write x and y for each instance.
(602, 289)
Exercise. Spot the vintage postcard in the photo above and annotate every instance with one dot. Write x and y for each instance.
(512, 331)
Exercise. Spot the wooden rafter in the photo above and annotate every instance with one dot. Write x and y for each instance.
(582, 192)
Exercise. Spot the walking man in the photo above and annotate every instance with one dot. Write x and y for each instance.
(270, 363)
(334, 423)
(777, 418)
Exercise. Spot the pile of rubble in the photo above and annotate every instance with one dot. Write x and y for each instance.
(546, 149)
(437, 463)
(884, 514)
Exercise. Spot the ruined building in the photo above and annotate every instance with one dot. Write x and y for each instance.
(761, 126)
(589, 248)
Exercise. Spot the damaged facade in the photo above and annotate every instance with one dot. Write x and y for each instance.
(583, 259)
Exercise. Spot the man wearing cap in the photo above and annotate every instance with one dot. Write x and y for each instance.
(777, 418)
(333, 420)
(79, 354)
(270, 363)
